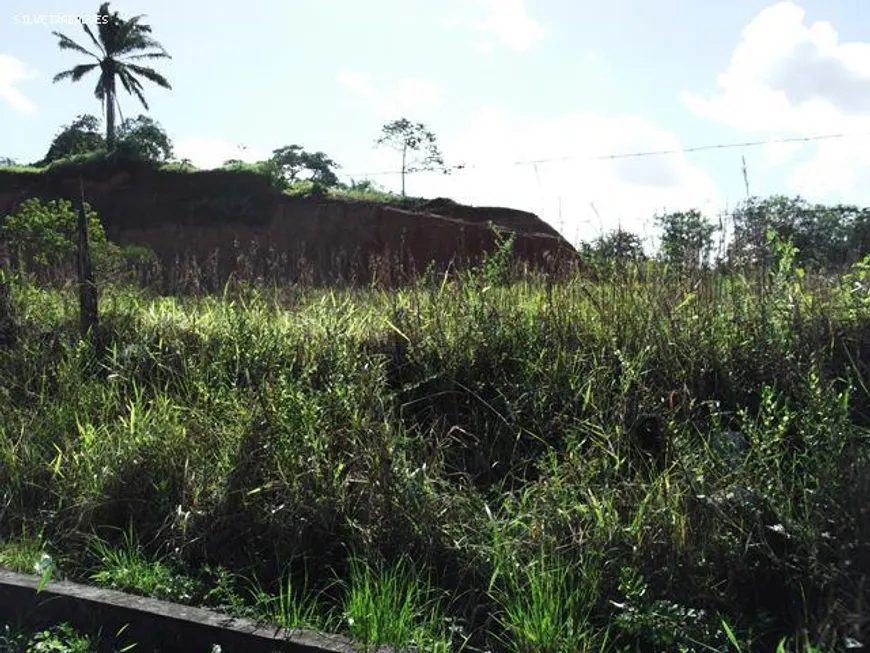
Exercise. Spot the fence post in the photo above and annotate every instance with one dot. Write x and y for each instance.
(8, 330)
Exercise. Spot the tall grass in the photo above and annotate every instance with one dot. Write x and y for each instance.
(615, 461)
(393, 606)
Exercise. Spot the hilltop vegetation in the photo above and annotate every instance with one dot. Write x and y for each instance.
(366, 190)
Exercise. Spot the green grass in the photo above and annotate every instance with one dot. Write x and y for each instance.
(393, 606)
(293, 606)
(97, 157)
(547, 605)
(102, 158)
(24, 552)
(128, 568)
(546, 454)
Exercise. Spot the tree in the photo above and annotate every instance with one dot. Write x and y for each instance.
(144, 138)
(858, 241)
(687, 238)
(140, 138)
(5, 162)
(409, 139)
(120, 44)
(293, 161)
(752, 220)
(81, 136)
(822, 234)
(618, 245)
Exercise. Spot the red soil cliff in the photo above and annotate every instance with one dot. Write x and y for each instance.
(180, 214)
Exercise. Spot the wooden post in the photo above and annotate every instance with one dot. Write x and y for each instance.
(8, 326)
(8, 330)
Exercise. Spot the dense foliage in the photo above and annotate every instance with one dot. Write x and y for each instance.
(627, 460)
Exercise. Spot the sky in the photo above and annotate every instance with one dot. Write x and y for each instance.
(533, 97)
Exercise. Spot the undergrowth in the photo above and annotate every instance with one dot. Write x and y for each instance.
(639, 460)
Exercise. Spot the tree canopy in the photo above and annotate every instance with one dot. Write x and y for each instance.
(297, 164)
(140, 138)
(81, 136)
(686, 238)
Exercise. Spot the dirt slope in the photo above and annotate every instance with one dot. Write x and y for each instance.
(220, 213)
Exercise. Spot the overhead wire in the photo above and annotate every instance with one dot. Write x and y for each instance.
(642, 153)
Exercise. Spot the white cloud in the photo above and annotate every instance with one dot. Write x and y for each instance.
(206, 152)
(624, 192)
(509, 22)
(838, 168)
(788, 77)
(11, 72)
(505, 21)
(409, 94)
(359, 83)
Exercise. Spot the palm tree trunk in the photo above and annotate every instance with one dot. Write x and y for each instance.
(110, 118)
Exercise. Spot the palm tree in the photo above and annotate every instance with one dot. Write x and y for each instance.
(120, 43)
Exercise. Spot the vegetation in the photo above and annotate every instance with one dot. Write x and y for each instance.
(686, 238)
(417, 145)
(81, 136)
(138, 138)
(627, 460)
(294, 162)
(616, 245)
(60, 639)
(119, 43)
(143, 138)
(825, 236)
(41, 237)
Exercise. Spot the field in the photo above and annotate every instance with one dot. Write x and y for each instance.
(629, 458)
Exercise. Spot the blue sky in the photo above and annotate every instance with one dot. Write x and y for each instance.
(498, 81)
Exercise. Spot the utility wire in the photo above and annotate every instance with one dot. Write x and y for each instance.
(632, 155)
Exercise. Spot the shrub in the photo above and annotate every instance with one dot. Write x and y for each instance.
(42, 235)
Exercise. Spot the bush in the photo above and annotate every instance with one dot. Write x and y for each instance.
(43, 236)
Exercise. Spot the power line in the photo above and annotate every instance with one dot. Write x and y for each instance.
(632, 155)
